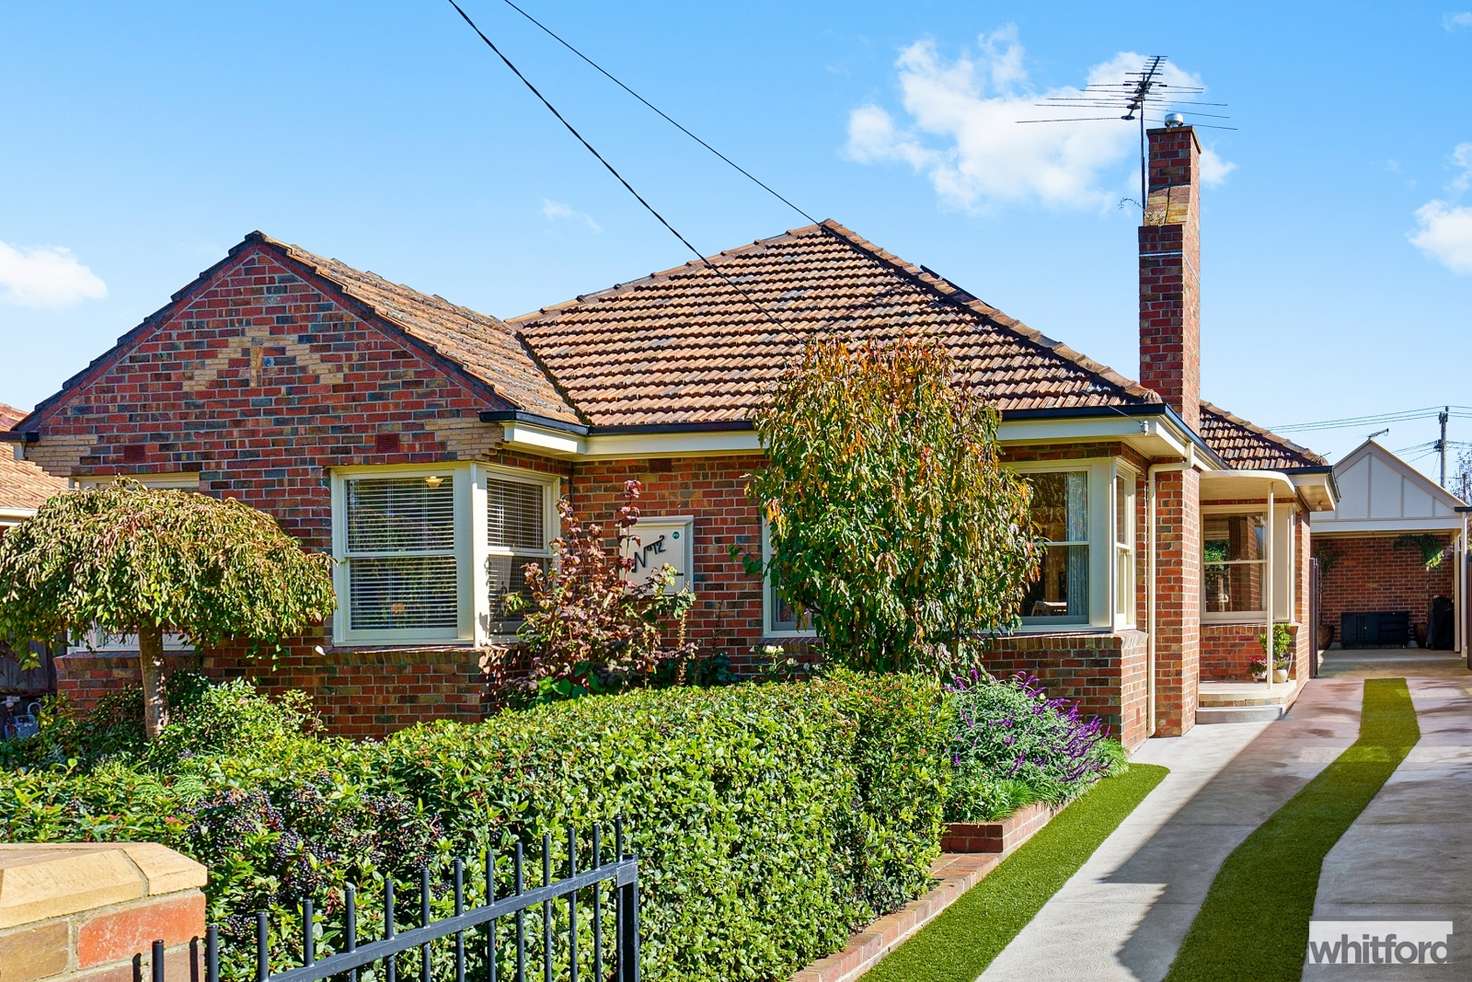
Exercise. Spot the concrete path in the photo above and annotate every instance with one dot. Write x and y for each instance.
(1409, 854)
(1125, 913)
(1385, 663)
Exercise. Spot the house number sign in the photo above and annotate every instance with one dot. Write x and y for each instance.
(662, 541)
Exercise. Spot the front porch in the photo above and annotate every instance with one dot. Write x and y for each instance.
(1245, 702)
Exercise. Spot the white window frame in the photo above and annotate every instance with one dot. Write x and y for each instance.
(1125, 541)
(474, 621)
(551, 485)
(1280, 525)
(173, 480)
(769, 599)
(1100, 471)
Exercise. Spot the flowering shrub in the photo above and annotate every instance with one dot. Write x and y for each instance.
(1012, 746)
(588, 627)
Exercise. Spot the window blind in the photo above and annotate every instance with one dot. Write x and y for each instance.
(516, 518)
(403, 573)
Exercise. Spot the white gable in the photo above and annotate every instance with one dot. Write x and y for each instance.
(1380, 492)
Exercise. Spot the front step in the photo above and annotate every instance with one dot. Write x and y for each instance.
(1239, 714)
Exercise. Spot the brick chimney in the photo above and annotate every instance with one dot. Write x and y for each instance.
(1170, 272)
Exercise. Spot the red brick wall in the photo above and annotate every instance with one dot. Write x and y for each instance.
(727, 617)
(1170, 278)
(1104, 673)
(1370, 572)
(198, 395)
(1178, 600)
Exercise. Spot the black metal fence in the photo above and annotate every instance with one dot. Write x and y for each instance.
(498, 927)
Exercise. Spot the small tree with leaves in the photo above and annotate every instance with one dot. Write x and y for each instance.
(892, 521)
(589, 626)
(128, 560)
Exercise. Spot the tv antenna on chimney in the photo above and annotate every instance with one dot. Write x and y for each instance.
(1145, 96)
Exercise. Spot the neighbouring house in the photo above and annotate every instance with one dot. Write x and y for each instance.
(425, 444)
(23, 486)
(1392, 551)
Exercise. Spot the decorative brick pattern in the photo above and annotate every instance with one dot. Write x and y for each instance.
(1370, 572)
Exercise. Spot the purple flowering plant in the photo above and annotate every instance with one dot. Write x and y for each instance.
(1011, 745)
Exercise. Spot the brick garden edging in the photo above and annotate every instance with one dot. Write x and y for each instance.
(956, 874)
(90, 912)
(997, 837)
(969, 851)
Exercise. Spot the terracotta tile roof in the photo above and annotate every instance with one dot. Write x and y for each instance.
(22, 484)
(484, 346)
(1245, 445)
(682, 346)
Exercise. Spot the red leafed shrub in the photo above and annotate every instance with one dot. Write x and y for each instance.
(589, 627)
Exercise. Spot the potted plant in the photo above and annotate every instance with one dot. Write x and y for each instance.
(1282, 654)
(1259, 670)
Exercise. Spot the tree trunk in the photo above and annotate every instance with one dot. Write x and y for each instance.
(151, 654)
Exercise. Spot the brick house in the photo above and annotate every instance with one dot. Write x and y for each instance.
(23, 486)
(1372, 552)
(424, 444)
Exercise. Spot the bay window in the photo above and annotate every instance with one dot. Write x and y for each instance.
(1085, 512)
(1060, 507)
(1124, 548)
(429, 554)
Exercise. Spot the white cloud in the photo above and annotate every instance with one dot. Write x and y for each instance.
(561, 211)
(46, 276)
(1458, 21)
(1444, 232)
(1444, 228)
(1462, 161)
(1214, 169)
(960, 129)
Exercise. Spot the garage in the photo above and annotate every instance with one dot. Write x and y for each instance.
(1392, 574)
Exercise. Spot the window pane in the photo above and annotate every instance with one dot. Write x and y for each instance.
(1229, 538)
(1124, 583)
(516, 518)
(507, 575)
(404, 593)
(1231, 588)
(1122, 502)
(1060, 505)
(389, 515)
(1062, 591)
(784, 615)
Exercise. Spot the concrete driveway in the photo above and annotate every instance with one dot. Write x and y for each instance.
(1125, 913)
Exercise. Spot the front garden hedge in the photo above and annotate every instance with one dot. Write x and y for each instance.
(769, 820)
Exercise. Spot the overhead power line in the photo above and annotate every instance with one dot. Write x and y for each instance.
(1348, 422)
(614, 171)
(658, 111)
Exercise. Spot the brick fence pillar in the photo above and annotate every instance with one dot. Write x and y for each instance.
(1177, 601)
(90, 912)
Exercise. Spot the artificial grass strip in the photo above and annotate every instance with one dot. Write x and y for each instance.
(963, 940)
(1254, 923)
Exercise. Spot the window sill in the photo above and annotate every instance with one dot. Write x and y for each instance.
(365, 648)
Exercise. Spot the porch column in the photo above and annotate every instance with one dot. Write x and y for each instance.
(1177, 600)
(1267, 590)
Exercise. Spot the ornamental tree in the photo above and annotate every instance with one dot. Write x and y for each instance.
(892, 522)
(128, 560)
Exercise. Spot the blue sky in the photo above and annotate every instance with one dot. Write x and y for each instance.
(145, 140)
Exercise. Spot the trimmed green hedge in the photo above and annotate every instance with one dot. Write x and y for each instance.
(770, 820)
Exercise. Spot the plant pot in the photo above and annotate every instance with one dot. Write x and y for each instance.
(1259, 676)
(1280, 675)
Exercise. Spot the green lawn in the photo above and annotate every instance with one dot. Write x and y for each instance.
(1254, 924)
(963, 940)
